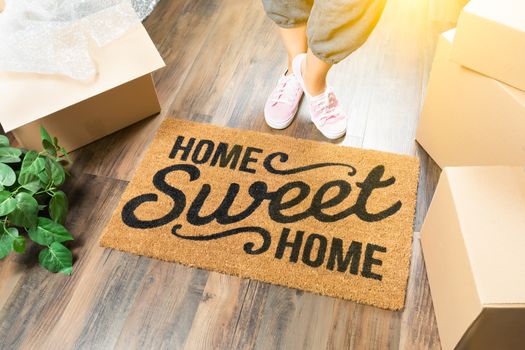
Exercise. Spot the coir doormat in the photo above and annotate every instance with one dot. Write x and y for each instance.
(323, 218)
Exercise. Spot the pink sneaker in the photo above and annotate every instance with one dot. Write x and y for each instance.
(282, 105)
(325, 110)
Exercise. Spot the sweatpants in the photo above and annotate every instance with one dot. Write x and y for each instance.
(335, 28)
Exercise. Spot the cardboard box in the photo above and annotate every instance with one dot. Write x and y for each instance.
(490, 39)
(468, 118)
(473, 242)
(79, 112)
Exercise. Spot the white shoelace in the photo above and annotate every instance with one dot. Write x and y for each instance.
(286, 90)
(328, 106)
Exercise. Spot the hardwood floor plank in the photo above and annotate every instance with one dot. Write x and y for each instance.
(250, 316)
(217, 314)
(164, 308)
(94, 317)
(418, 325)
(276, 321)
(10, 274)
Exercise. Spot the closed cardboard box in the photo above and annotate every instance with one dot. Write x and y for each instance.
(79, 112)
(490, 39)
(468, 118)
(473, 242)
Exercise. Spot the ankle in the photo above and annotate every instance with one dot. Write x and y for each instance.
(313, 87)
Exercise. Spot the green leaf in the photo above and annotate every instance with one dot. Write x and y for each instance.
(48, 232)
(53, 173)
(7, 237)
(65, 154)
(32, 163)
(49, 148)
(26, 211)
(47, 142)
(19, 244)
(57, 173)
(30, 182)
(26, 177)
(56, 258)
(10, 155)
(45, 135)
(46, 176)
(4, 141)
(7, 175)
(58, 206)
(7, 203)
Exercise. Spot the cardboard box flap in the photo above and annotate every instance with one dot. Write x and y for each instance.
(491, 40)
(507, 12)
(448, 40)
(517, 95)
(26, 97)
(490, 203)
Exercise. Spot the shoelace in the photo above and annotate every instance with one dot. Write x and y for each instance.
(328, 106)
(285, 91)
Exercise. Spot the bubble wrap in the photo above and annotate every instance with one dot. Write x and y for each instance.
(144, 7)
(53, 36)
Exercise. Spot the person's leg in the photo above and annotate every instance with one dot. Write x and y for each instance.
(314, 72)
(335, 29)
(291, 16)
(295, 42)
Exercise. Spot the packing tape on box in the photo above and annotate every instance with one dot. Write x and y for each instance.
(53, 36)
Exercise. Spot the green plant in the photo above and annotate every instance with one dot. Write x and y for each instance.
(31, 203)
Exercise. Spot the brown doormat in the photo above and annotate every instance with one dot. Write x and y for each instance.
(314, 216)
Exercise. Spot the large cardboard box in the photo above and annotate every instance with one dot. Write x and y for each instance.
(490, 39)
(79, 112)
(468, 118)
(473, 241)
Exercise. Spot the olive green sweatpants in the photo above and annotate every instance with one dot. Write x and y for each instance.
(335, 28)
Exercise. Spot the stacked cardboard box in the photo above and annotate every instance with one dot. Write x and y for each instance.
(474, 111)
(473, 125)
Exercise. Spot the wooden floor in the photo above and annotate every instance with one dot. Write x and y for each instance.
(223, 58)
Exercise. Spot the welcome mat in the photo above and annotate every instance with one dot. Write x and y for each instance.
(314, 216)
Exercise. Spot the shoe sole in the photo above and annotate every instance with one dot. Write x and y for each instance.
(333, 136)
(279, 126)
(282, 125)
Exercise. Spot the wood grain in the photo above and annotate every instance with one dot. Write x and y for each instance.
(223, 58)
